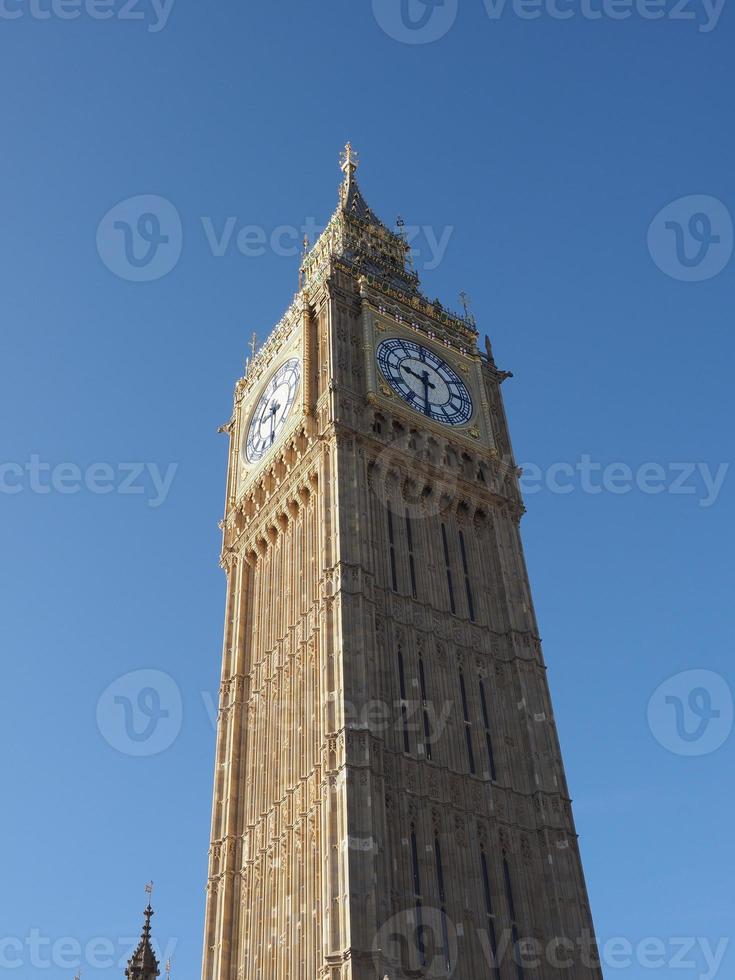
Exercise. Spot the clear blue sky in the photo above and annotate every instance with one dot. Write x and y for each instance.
(547, 147)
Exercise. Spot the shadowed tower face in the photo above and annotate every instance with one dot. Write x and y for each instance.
(389, 794)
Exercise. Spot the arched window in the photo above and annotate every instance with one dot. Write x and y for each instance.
(403, 704)
(416, 873)
(467, 722)
(488, 734)
(392, 548)
(424, 709)
(467, 584)
(447, 563)
(513, 919)
(411, 562)
(442, 901)
(489, 915)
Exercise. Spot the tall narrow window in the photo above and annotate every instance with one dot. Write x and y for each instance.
(392, 546)
(404, 710)
(513, 921)
(490, 916)
(442, 902)
(467, 722)
(417, 895)
(488, 734)
(411, 562)
(467, 584)
(452, 604)
(424, 709)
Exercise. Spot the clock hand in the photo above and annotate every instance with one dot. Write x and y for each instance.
(274, 408)
(423, 377)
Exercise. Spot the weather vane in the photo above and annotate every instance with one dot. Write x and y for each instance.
(468, 314)
(149, 891)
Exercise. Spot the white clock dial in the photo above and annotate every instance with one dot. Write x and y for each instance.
(425, 381)
(272, 410)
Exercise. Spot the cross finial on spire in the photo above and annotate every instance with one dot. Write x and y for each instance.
(349, 161)
(254, 343)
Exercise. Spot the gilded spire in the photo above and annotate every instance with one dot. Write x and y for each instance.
(350, 199)
(358, 238)
(349, 162)
(143, 964)
(349, 190)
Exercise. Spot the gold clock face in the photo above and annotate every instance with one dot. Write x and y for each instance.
(272, 411)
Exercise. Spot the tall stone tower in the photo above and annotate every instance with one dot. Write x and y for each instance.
(389, 795)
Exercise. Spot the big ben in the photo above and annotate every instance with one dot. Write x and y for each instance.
(389, 793)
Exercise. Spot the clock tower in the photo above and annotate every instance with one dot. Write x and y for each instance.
(389, 794)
